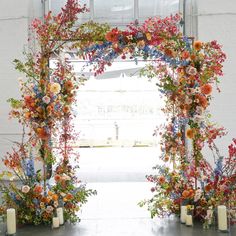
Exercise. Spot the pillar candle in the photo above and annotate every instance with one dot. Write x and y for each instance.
(183, 214)
(189, 220)
(11, 221)
(60, 215)
(222, 218)
(55, 222)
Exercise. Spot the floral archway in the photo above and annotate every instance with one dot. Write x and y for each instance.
(186, 71)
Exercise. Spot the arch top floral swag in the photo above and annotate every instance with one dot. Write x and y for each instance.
(185, 70)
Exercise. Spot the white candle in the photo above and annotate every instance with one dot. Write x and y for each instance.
(11, 221)
(183, 213)
(60, 215)
(189, 220)
(222, 218)
(55, 222)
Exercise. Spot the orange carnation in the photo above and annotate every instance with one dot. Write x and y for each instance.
(206, 89)
(197, 45)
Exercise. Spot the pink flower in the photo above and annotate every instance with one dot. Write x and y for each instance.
(46, 99)
(25, 189)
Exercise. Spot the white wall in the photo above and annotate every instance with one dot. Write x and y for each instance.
(217, 20)
(15, 16)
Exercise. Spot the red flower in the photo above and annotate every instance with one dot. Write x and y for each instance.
(38, 189)
(206, 89)
(112, 36)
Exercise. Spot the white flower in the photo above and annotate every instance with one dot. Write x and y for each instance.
(197, 195)
(49, 209)
(25, 189)
(46, 99)
(66, 177)
(191, 70)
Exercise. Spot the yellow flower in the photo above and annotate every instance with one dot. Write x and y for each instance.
(55, 88)
(148, 36)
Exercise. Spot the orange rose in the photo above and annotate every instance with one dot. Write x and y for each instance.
(206, 89)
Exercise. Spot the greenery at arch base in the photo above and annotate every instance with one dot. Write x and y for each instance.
(185, 71)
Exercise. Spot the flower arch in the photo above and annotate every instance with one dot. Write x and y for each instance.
(186, 71)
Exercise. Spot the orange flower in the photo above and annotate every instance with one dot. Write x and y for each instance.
(112, 36)
(208, 188)
(202, 100)
(161, 179)
(69, 85)
(50, 193)
(190, 133)
(185, 54)
(54, 197)
(69, 196)
(166, 158)
(197, 45)
(169, 52)
(38, 189)
(66, 109)
(42, 133)
(57, 178)
(185, 194)
(206, 89)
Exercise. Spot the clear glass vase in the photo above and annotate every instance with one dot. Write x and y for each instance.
(3, 225)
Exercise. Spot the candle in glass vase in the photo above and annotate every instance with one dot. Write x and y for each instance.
(60, 215)
(222, 218)
(11, 221)
(183, 214)
(55, 222)
(209, 216)
(189, 220)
